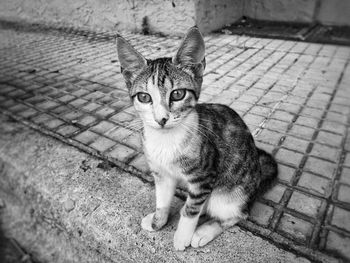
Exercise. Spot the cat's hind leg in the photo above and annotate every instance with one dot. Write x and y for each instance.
(226, 209)
(206, 233)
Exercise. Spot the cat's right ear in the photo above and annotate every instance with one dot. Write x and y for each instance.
(130, 60)
(191, 50)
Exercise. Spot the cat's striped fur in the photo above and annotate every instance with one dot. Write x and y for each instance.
(205, 147)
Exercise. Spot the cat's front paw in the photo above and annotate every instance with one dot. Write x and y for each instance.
(182, 239)
(146, 222)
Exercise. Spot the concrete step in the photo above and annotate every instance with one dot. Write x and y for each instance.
(61, 207)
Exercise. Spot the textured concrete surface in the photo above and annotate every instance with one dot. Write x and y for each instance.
(334, 12)
(65, 206)
(278, 10)
(166, 17)
(294, 96)
(163, 16)
(173, 17)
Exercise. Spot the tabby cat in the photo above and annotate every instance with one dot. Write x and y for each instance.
(207, 148)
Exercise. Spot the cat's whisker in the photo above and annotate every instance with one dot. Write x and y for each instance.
(135, 124)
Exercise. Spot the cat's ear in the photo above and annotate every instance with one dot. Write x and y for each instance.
(130, 60)
(191, 50)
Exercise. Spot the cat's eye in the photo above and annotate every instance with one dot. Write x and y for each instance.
(144, 97)
(177, 94)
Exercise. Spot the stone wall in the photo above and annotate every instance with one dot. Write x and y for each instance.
(214, 14)
(326, 12)
(334, 12)
(173, 17)
(301, 11)
(165, 16)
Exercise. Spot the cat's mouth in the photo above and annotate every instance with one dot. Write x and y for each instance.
(164, 128)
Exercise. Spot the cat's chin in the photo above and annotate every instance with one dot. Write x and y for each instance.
(160, 129)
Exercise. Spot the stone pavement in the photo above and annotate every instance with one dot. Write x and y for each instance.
(294, 96)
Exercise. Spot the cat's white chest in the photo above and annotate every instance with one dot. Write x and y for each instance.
(164, 148)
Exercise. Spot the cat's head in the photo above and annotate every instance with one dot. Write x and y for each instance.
(165, 90)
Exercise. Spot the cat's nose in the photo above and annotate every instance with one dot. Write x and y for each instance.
(162, 121)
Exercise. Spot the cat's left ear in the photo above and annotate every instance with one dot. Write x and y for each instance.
(192, 50)
(130, 60)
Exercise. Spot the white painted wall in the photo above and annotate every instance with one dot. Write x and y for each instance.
(334, 12)
(173, 17)
(301, 11)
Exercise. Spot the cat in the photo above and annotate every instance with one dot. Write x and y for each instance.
(207, 148)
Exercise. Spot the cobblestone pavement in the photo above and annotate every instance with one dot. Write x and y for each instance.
(294, 96)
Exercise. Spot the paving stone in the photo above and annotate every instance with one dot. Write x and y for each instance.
(345, 176)
(333, 116)
(295, 144)
(67, 130)
(302, 132)
(42, 118)
(91, 106)
(338, 242)
(270, 137)
(8, 103)
(78, 102)
(102, 144)
(134, 140)
(341, 218)
(320, 167)
(47, 105)
(122, 117)
(307, 121)
(289, 107)
(61, 109)
(276, 125)
(86, 137)
(275, 193)
(72, 116)
(121, 152)
(94, 96)
(52, 124)
(80, 93)
(285, 173)
(119, 134)
(344, 193)
(304, 204)
(289, 157)
(28, 113)
(261, 213)
(66, 98)
(326, 152)
(339, 109)
(87, 120)
(18, 108)
(333, 127)
(260, 110)
(314, 183)
(328, 138)
(103, 127)
(295, 227)
(104, 112)
(119, 105)
(283, 116)
(140, 163)
(312, 112)
(253, 119)
(347, 160)
(267, 147)
(239, 105)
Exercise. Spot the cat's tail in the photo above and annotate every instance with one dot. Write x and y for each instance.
(269, 170)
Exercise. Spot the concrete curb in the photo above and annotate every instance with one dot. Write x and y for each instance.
(62, 208)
